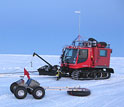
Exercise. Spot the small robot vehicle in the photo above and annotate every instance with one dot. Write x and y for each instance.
(20, 89)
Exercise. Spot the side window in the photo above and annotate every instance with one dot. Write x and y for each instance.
(83, 55)
(103, 53)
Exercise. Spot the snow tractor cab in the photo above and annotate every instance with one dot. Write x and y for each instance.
(87, 59)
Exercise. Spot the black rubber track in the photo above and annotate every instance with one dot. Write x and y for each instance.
(13, 86)
(81, 92)
(88, 75)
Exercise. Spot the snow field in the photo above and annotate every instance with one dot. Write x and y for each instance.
(104, 93)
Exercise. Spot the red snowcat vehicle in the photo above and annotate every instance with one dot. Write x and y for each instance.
(82, 60)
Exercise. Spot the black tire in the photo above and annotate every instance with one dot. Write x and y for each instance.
(13, 86)
(38, 92)
(80, 92)
(20, 92)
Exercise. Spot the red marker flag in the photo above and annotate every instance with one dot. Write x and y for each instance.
(26, 73)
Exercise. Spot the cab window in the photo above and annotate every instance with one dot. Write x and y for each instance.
(83, 55)
(103, 53)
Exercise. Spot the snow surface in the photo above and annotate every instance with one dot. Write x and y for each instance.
(104, 93)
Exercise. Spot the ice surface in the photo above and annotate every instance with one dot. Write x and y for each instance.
(104, 93)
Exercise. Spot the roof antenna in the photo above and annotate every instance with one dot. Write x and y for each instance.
(78, 39)
(78, 12)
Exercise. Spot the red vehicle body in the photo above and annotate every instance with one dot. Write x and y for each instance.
(89, 59)
(93, 58)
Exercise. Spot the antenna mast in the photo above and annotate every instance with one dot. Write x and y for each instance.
(78, 12)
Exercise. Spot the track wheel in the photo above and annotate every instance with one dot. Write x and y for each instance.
(92, 75)
(98, 75)
(38, 92)
(13, 86)
(20, 92)
(108, 75)
(104, 74)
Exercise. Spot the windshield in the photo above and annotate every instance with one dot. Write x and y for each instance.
(70, 56)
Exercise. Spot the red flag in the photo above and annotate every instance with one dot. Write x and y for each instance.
(26, 73)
